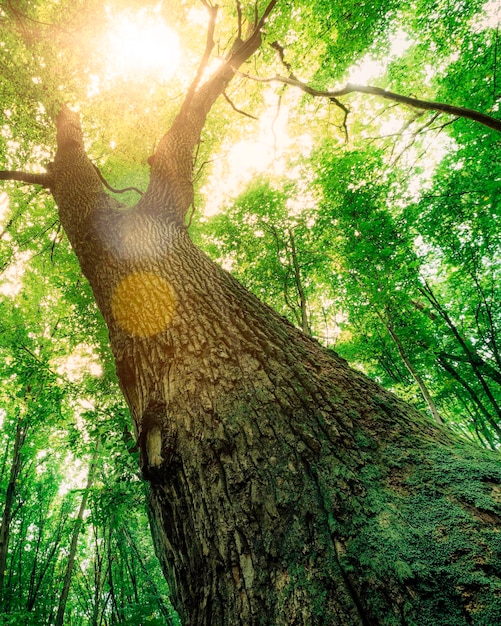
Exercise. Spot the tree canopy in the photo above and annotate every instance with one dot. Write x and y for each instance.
(349, 177)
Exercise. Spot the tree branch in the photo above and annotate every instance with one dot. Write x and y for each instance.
(427, 105)
(281, 55)
(482, 365)
(209, 46)
(171, 179)
(112, 189)
(240, 19)
(44, 180)
(226, 97)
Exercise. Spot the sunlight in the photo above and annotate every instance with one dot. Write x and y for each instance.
(81, 362)
(369, 68)
(248, 157)
(490, 17)
(76, 475)
(4, 207)
(141, 43)
(12, 276)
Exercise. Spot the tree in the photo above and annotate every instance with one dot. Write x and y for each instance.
(9, 500)
(74, 541)
(286, 488)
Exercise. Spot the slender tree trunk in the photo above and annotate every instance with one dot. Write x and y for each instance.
(163, 606)
(419, 381)
(74, 541)
(305, 325)
(15, 468)
(474, 362)
(286, 488)
(46, 567)
(489, 419)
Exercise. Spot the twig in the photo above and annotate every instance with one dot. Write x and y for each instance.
(112, 189)
(22, 16)
(346, 112)
(53, 247)
(281, 55)
(252, 117)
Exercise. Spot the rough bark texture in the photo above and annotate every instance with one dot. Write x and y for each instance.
(285, 487)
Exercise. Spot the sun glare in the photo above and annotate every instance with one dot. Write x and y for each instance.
(141, 43)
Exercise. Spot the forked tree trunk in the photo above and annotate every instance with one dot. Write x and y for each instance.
(285, 487)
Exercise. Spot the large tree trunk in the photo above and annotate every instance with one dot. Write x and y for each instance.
(286, 488)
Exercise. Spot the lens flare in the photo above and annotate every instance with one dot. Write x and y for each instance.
(143, 304)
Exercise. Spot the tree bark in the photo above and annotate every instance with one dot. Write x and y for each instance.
(285, 487)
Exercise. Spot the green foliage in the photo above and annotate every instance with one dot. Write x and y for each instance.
(59, 386)
(257, 237)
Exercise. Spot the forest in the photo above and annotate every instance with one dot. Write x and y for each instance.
(250, 296)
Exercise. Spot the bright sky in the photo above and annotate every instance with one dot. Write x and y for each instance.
(368, 69)
(141, 42)
(268, 152)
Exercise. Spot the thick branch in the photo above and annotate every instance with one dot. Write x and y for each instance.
(427, 105)
(208, 93)
(44, 180)
(77, 187)
(209, 46)
(171, 183)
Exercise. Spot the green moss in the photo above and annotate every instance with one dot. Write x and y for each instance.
(414, 536)
(440, 539)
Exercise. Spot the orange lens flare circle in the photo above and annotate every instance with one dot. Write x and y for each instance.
(143, 304)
